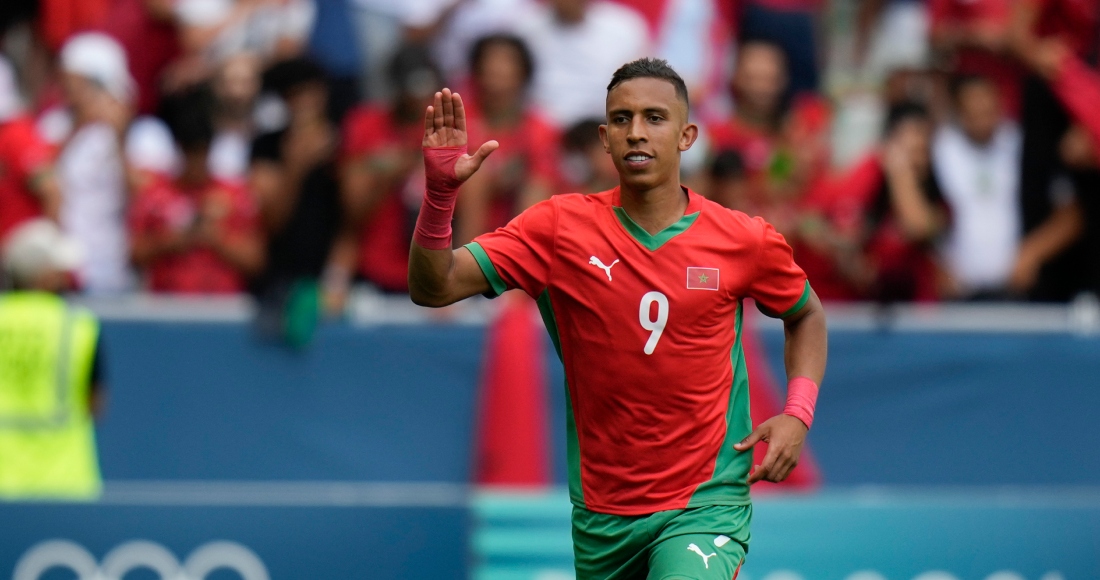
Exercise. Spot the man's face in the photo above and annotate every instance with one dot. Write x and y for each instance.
(501, 71)
(979, 111)
(646, 131)
(760, 78)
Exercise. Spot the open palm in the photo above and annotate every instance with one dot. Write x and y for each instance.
(445, 126)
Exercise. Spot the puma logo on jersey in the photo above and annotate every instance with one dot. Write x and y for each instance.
(597, 263)
(705, 557)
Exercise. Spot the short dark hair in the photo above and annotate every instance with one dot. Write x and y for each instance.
(481, 47)
(961, 82)
(190, 117)
(905, 111)
(582, 135)
(286, 75)
(650, 68)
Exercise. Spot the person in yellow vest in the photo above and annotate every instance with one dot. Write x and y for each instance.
(51, 377)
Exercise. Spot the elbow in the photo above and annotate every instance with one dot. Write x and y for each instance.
(420, 297)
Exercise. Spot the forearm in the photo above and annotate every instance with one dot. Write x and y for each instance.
(916, 216)
(244, 253)
(146, 249)
(431, 275)
(1053, 236)
(806, 346)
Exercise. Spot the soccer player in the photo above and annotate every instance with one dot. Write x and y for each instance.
(641, 288)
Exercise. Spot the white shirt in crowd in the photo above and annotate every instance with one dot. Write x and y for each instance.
(980, 184)
(260, 31)
(574, 62)
(93, 207)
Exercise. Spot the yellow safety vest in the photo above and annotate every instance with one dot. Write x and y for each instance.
(47, 441)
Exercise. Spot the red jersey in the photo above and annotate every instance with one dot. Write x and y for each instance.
(165, 207)
(1078, 87)
(648, 328)
(528, 151)
(1073, 21)
(22, 154)
(372, 136)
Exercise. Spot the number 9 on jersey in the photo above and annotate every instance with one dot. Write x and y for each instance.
(655, 326)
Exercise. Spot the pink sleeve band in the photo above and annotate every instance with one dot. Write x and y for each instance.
(801, 400)
(433, 225)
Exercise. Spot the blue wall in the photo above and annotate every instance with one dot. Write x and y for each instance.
(918, 408)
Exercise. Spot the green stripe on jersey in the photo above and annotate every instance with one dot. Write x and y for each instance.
(801, 302)
(729, 484)
(487, 268)
(572, 446)
(654, 241)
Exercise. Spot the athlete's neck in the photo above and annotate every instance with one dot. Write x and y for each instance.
(654, 209)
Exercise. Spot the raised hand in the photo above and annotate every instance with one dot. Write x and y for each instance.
(445, 126)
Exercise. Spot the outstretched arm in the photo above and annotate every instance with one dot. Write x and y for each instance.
(805, 352)
(438, 275)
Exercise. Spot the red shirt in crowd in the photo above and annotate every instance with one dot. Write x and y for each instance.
(166, 207)
(22, 154)
(858, 205)
(1078, 87)
(150, 45)
(781, 166)
(371, 135)
(1002, 69)
(1075, 22)
(529, 150)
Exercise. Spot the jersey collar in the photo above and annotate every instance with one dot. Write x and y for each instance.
(654, 241)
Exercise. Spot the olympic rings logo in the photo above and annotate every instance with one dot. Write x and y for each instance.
(137, 554)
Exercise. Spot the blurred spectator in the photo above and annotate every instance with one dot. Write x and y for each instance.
(470, 20)
(695, 37)
(586, 165)
(728, 181)
(60, 20)
(383, 171)
(792, 26)
(212, 30)
(91, 167)
(1052, 192)
(900, 213)
(236, 86)
(891, 35)
(578, 44)
(522, 172)
(973, 37)
(333, 44)
(147, 30)
(294, 177)
(47, 345)
(195, 234)
(28, 187)
(976, 160)
(783, 150)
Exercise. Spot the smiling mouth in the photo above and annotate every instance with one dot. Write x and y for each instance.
(638, 157)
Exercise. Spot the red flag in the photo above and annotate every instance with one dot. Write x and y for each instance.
(702, 278)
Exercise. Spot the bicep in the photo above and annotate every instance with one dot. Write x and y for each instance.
(469, 279)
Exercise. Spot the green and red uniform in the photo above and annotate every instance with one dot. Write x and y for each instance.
(648, 329)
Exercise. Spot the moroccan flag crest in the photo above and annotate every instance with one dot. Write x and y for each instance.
(702, 278)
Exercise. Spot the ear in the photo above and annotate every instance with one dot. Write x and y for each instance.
(688, 135)
(603, 138)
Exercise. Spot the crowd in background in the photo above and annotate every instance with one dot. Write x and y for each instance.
(908, 150)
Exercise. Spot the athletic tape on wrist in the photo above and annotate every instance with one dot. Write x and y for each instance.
(433, 225)
(801, 399)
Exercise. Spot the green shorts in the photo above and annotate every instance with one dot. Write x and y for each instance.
(704, 543)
